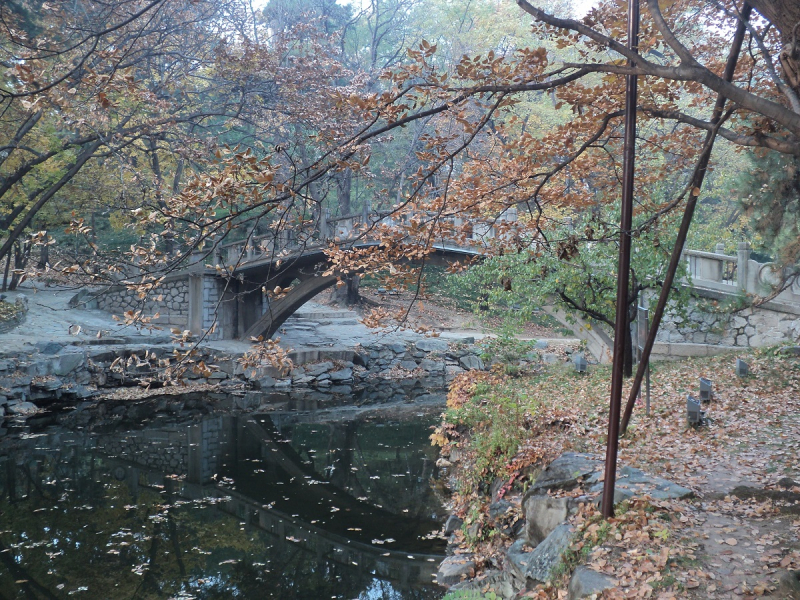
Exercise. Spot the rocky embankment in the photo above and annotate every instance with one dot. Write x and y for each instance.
(62, 373)
(537, 523)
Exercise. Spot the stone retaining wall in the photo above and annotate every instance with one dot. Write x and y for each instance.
(74, 372)
(160, 450)
(744, 329)
(172, 308)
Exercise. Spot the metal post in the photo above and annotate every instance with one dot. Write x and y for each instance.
(696, 184)
(623, 269)
(647, 372)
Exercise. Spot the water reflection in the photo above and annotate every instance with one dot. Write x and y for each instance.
(272, 505)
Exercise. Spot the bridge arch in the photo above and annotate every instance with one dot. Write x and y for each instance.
(268, 272)
(281, 309)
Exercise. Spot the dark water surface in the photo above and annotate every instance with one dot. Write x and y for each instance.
(279, 503)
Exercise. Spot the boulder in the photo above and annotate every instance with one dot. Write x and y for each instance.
(566, 472)
(504, 518)
(452, 524)
(586, 583)
(408, 365)
(541, 564)
(432, 345)
(455, 568)
(451, 371)
(789, 587)
(264, 383)
(501, 583)
(471, 362)
(543, 514)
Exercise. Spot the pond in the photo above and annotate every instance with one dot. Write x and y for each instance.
(301, 498)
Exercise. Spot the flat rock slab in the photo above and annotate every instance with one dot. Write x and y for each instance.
(318, 368)
(501, 583)
(22, 408)
(566, 472)
(432, 345)
(586, 583)
(542, 562)
(342, 375)
(635, 482)
(455, 569)
(432, 366)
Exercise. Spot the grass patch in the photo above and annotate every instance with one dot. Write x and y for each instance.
(491, 413)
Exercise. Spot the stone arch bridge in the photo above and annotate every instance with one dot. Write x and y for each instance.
(230, 301)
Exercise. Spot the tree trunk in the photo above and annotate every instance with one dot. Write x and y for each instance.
(22, 253)
(783, 14)
(5, 273)
(344, 184)
(155, 165)
(348, 293)
(44, 255)
(76, 166)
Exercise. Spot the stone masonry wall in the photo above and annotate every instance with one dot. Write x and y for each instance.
(169, 450)
(748, 328)
(160, 450)
(172, 308)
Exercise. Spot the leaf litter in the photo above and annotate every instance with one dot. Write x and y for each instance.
(734, 539)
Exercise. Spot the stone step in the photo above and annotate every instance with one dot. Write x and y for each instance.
(327, 314)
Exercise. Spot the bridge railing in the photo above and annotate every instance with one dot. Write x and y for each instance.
(349, 226)
(715, 268)
(738, 274)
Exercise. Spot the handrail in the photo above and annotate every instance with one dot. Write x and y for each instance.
(711, 255)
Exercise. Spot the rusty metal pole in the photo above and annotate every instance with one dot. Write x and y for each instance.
(688, 213)
(621, 329)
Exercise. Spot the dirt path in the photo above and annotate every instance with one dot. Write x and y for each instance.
(743, 527)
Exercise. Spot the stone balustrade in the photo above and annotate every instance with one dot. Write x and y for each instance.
(350, 227)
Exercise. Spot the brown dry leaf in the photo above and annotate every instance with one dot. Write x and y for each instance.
(731, 541)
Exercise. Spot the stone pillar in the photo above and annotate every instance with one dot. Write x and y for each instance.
(720, 249)
(195, 459)
(195, 301)
(743, 257)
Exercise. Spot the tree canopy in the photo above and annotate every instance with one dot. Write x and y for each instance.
(250, 123)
